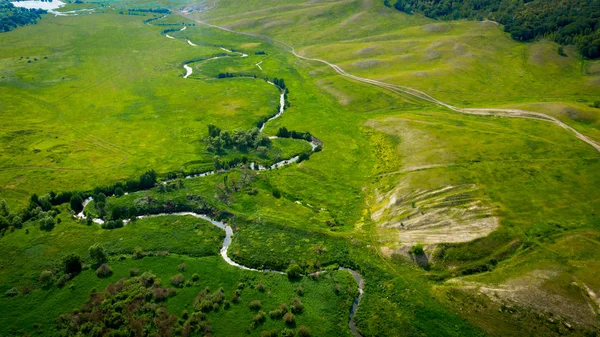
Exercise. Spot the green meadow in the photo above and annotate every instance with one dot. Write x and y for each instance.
(460, 225)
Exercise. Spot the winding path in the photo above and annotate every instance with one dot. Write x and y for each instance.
(514, 113)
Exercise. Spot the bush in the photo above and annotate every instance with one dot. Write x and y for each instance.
(276, 314)
(276, 193)
(119, 192)
(195, 277)
(138, 253)
(97, 253)
(76, 203)
(260, 287)
(268, 333)
(259, 318)
(297, 306)
(287, 333)
(104, 270)
(255, 305)
(46, 277)
(134, 272)
(288, 318)
(293, 271)
(182, 267)
(63, 280)
(177, 280)
(72, 264)
(12, 292)
(300, 291)
(303, 331)
(417, 249)
(47, 223)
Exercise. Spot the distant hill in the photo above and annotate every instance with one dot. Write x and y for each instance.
(564, 21)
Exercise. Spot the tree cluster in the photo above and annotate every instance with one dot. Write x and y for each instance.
(574, 22)
(150, 10)
(239, 139)
(285, 133)
(12, 17)
(130, 307)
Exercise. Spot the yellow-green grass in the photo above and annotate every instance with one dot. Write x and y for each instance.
(108, 103)
(532, 171)
(461, 62)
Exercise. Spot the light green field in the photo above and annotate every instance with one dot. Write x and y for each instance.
(110, 103)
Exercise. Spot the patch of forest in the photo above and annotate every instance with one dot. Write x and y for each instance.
(12, 17)
(575, 22)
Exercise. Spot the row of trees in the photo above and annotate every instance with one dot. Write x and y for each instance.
(12, 17)
(285, 133)
(241, 140)
(566, 22)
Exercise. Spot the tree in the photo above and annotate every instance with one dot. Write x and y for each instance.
(4, 223)
(148, 180)
(119, 192)
(97, 253)
(100, 197)
(17, 221)
(46, 223)
(293, 271)
(72, 264)
(213, 131)
(76, 202)
(4, 211)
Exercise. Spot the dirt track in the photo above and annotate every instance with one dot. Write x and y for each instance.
(514, 113)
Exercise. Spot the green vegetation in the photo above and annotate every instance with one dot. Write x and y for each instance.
(12, 17)
(566, 22)
(452, 224)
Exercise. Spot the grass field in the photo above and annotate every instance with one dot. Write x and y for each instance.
(505, 208)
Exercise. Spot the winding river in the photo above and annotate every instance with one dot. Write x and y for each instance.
(224, 226)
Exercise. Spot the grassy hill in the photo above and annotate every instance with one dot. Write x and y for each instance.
(460, 224)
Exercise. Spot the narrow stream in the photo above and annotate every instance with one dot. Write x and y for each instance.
(224, 226)
(225, 247)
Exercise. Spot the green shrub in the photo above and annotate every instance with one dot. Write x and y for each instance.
(255, 305)
(268, 333)
(303, 331)
(63, 280)
(182, 267)
(12, 292)
(97, 253)
(46, 277)
(72, 264)
(195, 277)
(293, 271)
(260, 287)
(177, 280)
(300, 291)
(46, 223)
(417, 249)
(287, 333)
(138, 253)
(104, 271)
(134, 272)
(276, 314)
(119, 192)
(288, 318)
(297, 306)
(259, 318)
